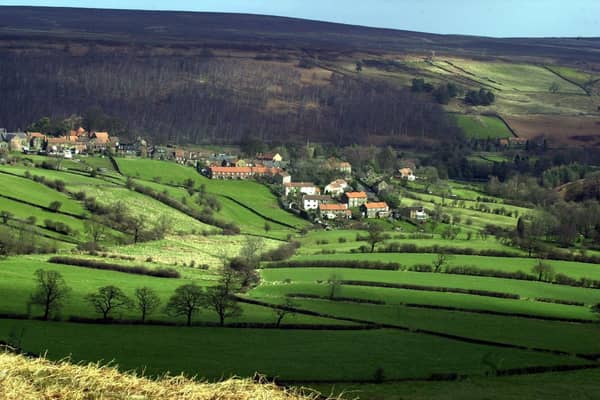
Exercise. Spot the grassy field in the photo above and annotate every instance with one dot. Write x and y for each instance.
(483, 127)
(513, 264)
(201, 250)
(220, 353)
(575, 385)
(39, 194)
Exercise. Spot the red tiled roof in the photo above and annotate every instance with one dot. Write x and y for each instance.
(381, 204)
(231, 170)
(36, 134)
(333, 207)
(101, 137)
(356, 195)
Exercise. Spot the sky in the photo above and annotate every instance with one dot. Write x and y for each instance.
(499, 18)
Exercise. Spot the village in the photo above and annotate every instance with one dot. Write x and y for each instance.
(344, 198)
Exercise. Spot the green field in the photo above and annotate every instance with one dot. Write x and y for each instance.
(482, 127)
(219, 353)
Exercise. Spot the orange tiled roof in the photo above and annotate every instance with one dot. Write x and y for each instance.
(381, 204)
(101, 137)
(356, 195)
(36, 134)
(57, 140)
(333, 207)
(232, 170)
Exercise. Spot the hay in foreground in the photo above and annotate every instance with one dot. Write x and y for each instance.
(23, 378)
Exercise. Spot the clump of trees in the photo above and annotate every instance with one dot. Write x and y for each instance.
(481, 97)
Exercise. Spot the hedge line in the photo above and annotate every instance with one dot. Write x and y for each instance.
(342, 299)
(558, 301)
(336, 264)
(475, 292)
(228, 227)
(137, 270)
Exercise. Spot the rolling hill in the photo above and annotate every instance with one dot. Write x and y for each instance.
(184, 77)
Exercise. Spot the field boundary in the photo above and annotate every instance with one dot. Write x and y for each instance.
(449, 336)
(239, 203)
(587, 92)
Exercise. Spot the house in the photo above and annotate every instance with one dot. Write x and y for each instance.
(312, 202)
(16, 140)
(333, 211)
(301, 187)
(57, 144)
(35, 141)
(217, 172)
(337, 187)
(355, 199)
(224, 160)
(376, 210)
(283, 177)
(99, 141)
(418, 214)
(269, 159)
(407, 173)
(338, 165)
(179, 155)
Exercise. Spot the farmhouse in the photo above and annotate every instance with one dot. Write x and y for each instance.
(230, 172)
(301, 187)
(355, 199)
(417, 213)
(337, 187)
(333, 211)
(283, 177)
(269, 159)
(312, 202)
(376, 210)
(407, 173)
(217, 172)
(338, 165)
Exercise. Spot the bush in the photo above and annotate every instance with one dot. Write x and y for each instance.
(137, 270)
(474, 292)
(282, 252)
(337, 264)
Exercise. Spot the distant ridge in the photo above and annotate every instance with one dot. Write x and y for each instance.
(201, 28)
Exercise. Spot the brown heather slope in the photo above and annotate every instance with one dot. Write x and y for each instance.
(23, 378)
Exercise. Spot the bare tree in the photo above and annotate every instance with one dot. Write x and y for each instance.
(51, 291)
(220, 298)
(440, 260)
(187, 301)
(108, 299)
(544, 271)
(335, 284)
(251, 250)
(95, 230)
(5, 216)
(287, 308)
(375, 232)
(136, 226)
(147, 301)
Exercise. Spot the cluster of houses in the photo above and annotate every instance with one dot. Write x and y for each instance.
(74, 142)
(337, 202)
(270, 165)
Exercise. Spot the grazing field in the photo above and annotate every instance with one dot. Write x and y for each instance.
(36, 193)
(17, 284)
(483, 127)
(220, 353)
(508, 264)
(199, 250)
(581, 130)
(162, 171)
(576, 385)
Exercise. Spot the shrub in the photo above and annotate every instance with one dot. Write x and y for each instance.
(337, 264)
(137, 270)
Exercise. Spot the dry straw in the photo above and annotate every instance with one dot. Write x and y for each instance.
(23, 378)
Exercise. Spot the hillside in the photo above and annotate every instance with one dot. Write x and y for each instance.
(222, 78)
(36, 378)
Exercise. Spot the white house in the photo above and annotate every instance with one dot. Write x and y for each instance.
(312, 202)
(337, 187)
(301, 187)
(407, 173)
